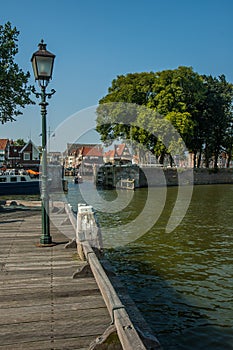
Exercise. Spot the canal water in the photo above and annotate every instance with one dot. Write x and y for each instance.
(181, 281)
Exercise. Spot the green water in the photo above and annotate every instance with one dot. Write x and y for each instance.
(182, 281)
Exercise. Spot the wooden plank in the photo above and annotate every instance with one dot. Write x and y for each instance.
(78, 343)
(33, 313)
(37, 331)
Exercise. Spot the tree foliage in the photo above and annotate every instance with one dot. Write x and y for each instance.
(14, 89)
(217, 117)
(20, 142)
(167, 110)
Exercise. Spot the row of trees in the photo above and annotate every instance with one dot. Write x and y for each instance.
(170, 111)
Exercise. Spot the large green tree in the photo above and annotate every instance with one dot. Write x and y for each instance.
(147, 107)
(166, 93)
(14, 88)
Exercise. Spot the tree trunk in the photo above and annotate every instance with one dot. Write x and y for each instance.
(216, 159)
(229, 156)
(207, 159)
(170, 160)
(161, 158)
(228, 160)
(199, 158)
(195, 159)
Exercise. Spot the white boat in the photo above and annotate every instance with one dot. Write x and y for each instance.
(11, 183)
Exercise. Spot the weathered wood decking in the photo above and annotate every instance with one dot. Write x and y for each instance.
(42, 306)
(50, 299)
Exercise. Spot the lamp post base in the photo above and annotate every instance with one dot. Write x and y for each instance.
(45, 239)
(41, 245)
(46, 242)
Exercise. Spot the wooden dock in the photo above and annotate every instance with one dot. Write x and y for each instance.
(51, 299)
(42, 306)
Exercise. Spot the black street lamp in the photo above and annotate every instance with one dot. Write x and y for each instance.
(42, 63)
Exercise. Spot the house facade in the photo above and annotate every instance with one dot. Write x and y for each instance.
(70, 155)
(83, 157)
(4, 150)
(55, 158)
(120, 154)
(30, 156)
(89, 157)
(14, 157)
(26, 157)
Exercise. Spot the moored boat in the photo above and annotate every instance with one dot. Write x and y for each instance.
(11, 183)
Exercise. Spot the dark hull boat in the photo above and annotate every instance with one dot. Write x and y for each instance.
(18, 184)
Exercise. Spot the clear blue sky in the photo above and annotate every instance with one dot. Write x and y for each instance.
(94, 41)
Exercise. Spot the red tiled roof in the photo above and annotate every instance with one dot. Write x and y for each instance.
(117, 152)
(120, 148)
(3, 144)
(109, 154)
(92, 151)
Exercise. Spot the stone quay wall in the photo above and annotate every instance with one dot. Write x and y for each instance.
(174, 177)
(158, 176)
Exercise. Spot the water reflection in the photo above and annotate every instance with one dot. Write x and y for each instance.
(181, 281)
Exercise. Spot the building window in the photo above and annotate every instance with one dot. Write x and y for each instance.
(26, 156)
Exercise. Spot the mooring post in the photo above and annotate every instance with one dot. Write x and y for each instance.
(87, 229)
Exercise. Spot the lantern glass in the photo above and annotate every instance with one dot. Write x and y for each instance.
(44, 67)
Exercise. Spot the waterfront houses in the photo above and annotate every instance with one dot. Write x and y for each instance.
(120, 154)
(83, 157)
(26, 156)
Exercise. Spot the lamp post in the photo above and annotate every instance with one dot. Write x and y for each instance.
(42, 63)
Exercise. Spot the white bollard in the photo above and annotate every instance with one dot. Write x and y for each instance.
(87, 229)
